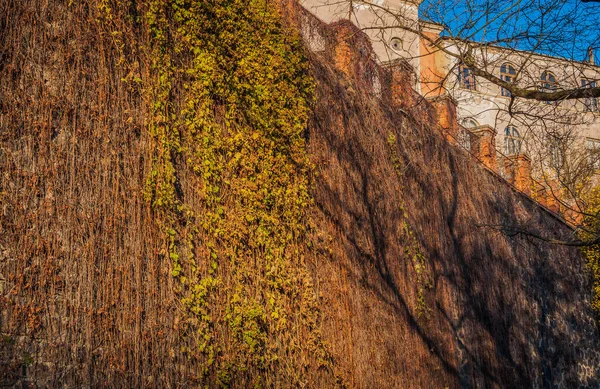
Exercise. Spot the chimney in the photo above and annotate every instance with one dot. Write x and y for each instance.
(540, 193)
(342, 49)
(433, 62)
(445, 107)
(520, 167)
(554, 192)
(590, 56)
(352, 51)
(483, 145)
(400, 90)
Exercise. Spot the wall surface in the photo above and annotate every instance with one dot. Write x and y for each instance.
(415, 285)
(423, 287)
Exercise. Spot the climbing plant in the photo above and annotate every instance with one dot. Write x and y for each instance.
(412, 248)
(228, 94)
(591, 229)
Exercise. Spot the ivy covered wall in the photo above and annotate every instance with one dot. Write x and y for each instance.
(189, 197)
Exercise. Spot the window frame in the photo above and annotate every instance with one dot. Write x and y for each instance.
(508, 74)
(557, 156)
(466, 78)
(592, 145)
(548, 83)
(464, 138)
(513, 141)
(467, 123)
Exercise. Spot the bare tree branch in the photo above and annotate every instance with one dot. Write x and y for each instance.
(467, 58)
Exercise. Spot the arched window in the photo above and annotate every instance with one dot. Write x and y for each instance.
(464, 135)
(466, 78)
(470, 123)
(512, 141)
(593, 147)
(556, 156)
(508, 74)
(549, 83)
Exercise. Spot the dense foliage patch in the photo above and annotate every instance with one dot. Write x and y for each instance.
(229, 100)
(591, 229)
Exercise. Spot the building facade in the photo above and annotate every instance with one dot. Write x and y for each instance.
(557, 142)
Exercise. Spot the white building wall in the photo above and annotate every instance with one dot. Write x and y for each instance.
(371, 16)
(387, 22)
(538, 122)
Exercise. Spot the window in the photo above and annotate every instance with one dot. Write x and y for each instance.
(549, 83)
(396, 44)
(590, 103)
(466, 78)
(508, 74)
(593, 147)
(470, 123)
(464, 138)
(464, 135)
(512, 141)
(556, 155)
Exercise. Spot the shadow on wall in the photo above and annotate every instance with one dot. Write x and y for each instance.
(485, 310)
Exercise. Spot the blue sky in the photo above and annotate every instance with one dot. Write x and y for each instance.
(564, 28)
